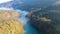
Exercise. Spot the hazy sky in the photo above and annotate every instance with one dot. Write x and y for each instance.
(2, 1)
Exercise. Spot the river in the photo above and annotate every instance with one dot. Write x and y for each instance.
(28, 28)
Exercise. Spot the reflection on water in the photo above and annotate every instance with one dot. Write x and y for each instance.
(28, 29)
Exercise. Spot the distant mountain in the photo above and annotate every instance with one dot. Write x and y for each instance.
(27, 4)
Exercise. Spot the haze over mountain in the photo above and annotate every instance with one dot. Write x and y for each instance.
(28, 4)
